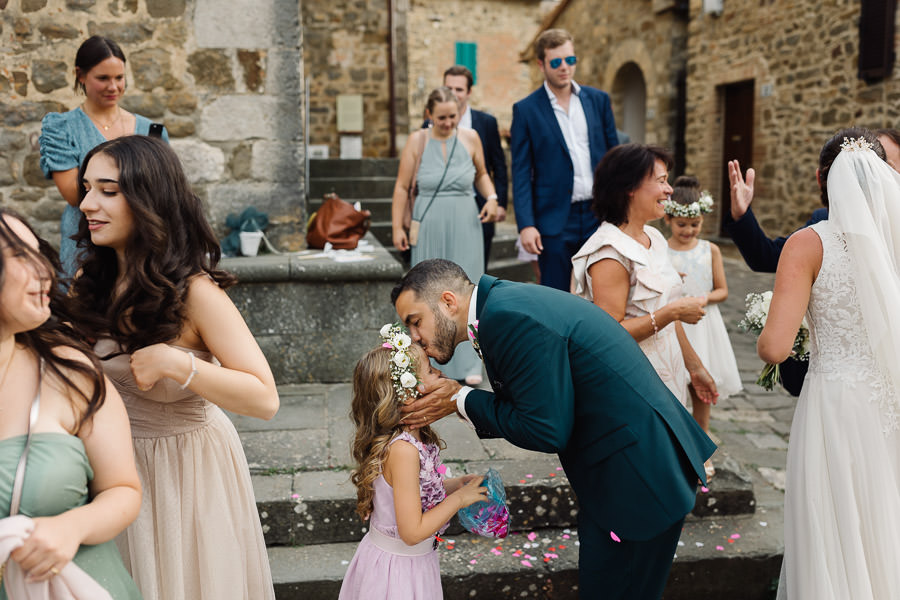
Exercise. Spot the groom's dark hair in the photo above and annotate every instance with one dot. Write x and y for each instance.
(431, 277)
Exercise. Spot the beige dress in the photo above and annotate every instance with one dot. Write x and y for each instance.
(653, 283)
(198, 534)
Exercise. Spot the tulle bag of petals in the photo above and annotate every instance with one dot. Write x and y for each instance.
(488, 518)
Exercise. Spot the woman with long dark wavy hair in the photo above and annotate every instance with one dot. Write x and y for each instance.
(152, 298)
(80, 486)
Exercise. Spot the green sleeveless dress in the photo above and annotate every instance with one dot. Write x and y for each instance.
(56, 480)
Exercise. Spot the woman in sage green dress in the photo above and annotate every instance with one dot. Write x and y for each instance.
(449, 161)
(80, 488)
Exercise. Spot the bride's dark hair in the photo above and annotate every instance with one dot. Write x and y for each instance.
(171, 242)
(55, 333)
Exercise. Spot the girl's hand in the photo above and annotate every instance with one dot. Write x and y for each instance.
(705, 386)
(48, 549)
(454, 483)
(471, 492)
(690, 309)
(152, 363)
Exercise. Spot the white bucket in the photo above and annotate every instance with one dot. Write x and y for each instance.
(250, 242)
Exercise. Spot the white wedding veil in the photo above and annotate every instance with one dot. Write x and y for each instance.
(864, 205)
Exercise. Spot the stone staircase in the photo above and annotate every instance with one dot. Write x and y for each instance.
(300, 470)
(371, 182)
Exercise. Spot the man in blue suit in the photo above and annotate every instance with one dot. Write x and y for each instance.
(568, 379)
(459, 79)
(559, 134)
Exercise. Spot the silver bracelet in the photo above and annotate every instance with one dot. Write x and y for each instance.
(653, 322)
(193, 371)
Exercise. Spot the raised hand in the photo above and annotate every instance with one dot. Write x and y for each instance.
(741, 189)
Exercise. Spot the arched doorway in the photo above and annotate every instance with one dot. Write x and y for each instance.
(630, 93)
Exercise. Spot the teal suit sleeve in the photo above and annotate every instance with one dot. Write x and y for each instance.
(534, 407)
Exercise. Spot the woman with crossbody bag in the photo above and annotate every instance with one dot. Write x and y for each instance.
(445, 222)
(68, 483)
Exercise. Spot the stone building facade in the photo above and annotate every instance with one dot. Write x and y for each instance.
(764, 80)
(224, 76)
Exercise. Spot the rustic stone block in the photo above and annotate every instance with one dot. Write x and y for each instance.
(151, 67)
(251, 62)
(244, 117)
(32, 5)
(45, 209)
(180, 128)
(130, 5)
(284, 71)
(240, 162)
(5, 86)
(165, 8)
(202, 163)
(123, 33)
(30, 195)
(277, 161)
(48, 75)
(173, 34)
(246, 23)
(59, 31)
(31, 172)
(182, 103)
(16, 113)
(149, 105)
(20, 82)
(22, 29)
(80, 4)
(211, 68)
(7, 171)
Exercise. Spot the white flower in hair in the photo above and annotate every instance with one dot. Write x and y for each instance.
(694, 209)
(856, 144)
(401, 341)
(401, 359)
(385, 330)
(408, 380)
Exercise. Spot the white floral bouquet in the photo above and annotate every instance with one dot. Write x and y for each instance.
(755, 319)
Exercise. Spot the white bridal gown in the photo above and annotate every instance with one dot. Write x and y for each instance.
(842, 500)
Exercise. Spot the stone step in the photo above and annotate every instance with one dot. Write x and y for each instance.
(366, 167)
(317, 507)
(374, 186)
(727, 557)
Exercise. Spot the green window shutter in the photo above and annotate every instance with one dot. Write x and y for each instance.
(467, 56)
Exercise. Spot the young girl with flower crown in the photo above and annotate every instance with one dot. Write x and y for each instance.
(399, 479)
(700, 264)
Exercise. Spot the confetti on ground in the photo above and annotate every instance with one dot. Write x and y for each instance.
(614, 537)
(451, 546)
(522, 481)
(680, 543)
(559, 468)
(699, 544)
(526, 563)
(720, 548)
(763, 523)
(295, 496)
(565, 536)
(473, 561)
(551, 474)
(531, 536)
(704, 489)
(345, 562)
(735, 536)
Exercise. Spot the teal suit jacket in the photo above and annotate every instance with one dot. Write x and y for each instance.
(569, 379)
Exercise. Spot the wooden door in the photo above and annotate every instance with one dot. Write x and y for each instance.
(737, 142)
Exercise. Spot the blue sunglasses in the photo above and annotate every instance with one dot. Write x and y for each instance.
(556, 62)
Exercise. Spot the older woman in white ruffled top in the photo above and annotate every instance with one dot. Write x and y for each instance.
(624, 267)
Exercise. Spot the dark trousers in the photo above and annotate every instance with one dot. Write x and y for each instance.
(623, 570)
(556, 259)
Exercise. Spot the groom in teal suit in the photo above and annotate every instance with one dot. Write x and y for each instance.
(567, 379)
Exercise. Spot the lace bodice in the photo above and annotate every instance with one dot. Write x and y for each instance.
(839, 345)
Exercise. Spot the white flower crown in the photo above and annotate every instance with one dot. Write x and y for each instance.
(856, 144)
(694, 209)
(403, 363)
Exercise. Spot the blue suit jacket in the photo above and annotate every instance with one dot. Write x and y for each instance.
(494, 159)
(569, 379)
(542, 170)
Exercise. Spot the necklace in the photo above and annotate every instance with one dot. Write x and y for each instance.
(111, 123)
(8, 363)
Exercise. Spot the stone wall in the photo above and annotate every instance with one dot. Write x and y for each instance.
(224, 76)
(802, 57)
(346, 51)
(500, 28)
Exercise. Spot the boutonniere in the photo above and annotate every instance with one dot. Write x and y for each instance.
(473, 335)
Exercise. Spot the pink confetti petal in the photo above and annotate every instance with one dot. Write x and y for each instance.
(565, 536)
(442, 469)
(473, 561)
(559, 468)
(529, 475)
(614, 537)
(735, 536)
(526, 563)
(532, 536)
(719, 548)
(704, 489)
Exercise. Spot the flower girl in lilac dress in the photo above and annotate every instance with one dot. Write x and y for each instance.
(399, 479)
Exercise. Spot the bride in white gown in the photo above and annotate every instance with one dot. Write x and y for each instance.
(842, 499)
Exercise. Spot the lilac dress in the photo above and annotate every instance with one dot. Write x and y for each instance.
(385, 568)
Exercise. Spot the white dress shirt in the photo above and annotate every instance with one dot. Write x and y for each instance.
(464, 390)
(465, 120)
(575, 131)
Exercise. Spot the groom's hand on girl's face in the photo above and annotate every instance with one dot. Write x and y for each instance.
(435, 402)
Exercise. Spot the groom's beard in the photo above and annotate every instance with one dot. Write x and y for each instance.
(444, 338)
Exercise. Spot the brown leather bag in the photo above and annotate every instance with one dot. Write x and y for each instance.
(338, 223)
